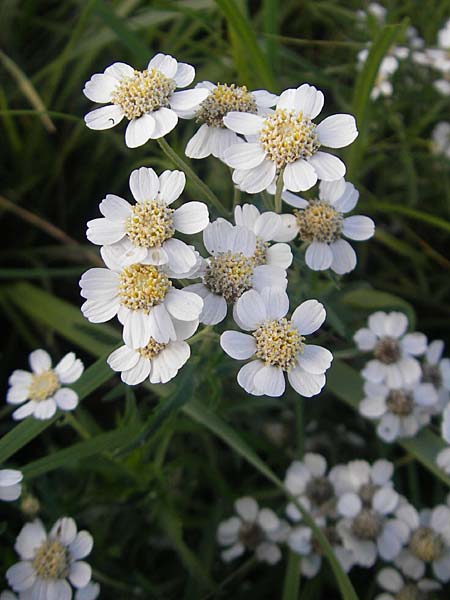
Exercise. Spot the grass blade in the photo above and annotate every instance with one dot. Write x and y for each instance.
(291, 586)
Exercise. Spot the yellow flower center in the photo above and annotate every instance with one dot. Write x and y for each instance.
(152, 349)
(150, 224)
(366, 525)
(426, 544)
(222, 100)
(142, 93)
(319, 222)
(229, 274)
(278, 342)
(43, 386)
(142, 286)
(400, 403)
(260, 255)
(287, 136)
(51, 560)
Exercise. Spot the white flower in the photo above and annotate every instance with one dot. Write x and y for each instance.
(288, 141)
(50, 561)
(278, 344)
(401, 412)
(440, 138)
(253, 528)
(142, 297)
(429, 542)
(144, 231)
(236, 265)
(146, 98)
(10, 486)
(444, 36)
(383, 84)
(390, 580)
(321, 224)
(394, 350)
(156, 361)
(213, 137)
(308, 482)
(43, 389)
(90, 592)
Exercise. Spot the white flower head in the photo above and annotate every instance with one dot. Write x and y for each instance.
(51, 562)
(237, 264)
(440, 138)
(394, 350)
(141, 295)
(213, 137)
(159, 362)
(321, 225)
(42, 391)
(145, 231)
(397, 588)
(288, 141)
(277, 344)
(429, 542)
(400, 412)
(146, 98)
(256, 529)
(10, 484)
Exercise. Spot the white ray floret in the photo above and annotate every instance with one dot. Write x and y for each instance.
(394, 350)
(90, 592)
(397, 587)
(277, 344)
(287, 141)
(144, 232)
(10, 484)
(42, 391)
(148, 99)
(51, 563)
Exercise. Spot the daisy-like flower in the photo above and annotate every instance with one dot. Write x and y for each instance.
(394, 350)
(142, 297)
(50, 561)
(255, 529)
(397, 588)
(43, 390)
(278, 344)
(401, 412)
(288, 142)
(308, 481)
(159, 362)
(321, 223)
(213, 137)
(144, 231)
(146, 98)
(429, 542)
(236, 265)
(10, 484)
(440, 139)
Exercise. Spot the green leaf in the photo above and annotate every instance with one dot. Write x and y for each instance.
(368, 299)
(291, 587)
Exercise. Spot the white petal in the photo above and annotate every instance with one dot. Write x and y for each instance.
(347, 200)
(318, 256)
(166, 365)
(414, 343)
(337, 131)
(10, 493)
(66, 399)
(344, 257)
(349, 505)
(10, 477)
(267, 225)
(238, 345)
(306, 384)
(40, 361)
(187, 99)
(17, 394)
(69, 369)
(136, 330)
(270, 381)
(119, 71)
(103, 231)
(443, 460)
(214, 309)
(315, 359)
(221, 139)
(299, 176)
(164, 63)
(441, 568)
(45, 409)
(256, 179)
(21, 576)
(327, 166)
(434, 352)
(246, 377)
(20, 377)
(114, 207)
(279, 255)
(184, 306)
(171, 185)
(99, 88)
(138, 372)
(123, 358)
(306, 99)
(316, 463)
(24, 411)
(31, 536)
(180, 256)
(160, 325)
(144, 184)
(385, 500)
(389, 427)
(228, 531)
(82, 545)
(244, 156)
(247, 509)
(358, 227)
(80, 574)
(365, 339)
(309, 316)
(276, 302)
(99, 283)
(139, 131)
(373, 407)
(288, 229)
(251, 310)
(332, 191)
(244, 123)
(294, 200)
(216, 236)
(99, 311)
(191, 217)
(199, 146)
(65, 530)
(184, 75)
(56, 590)
(104, 117)
(377, 322)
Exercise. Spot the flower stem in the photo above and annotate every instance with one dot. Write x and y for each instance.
(210, 195)
(278, 192)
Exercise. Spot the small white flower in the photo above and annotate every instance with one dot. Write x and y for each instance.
(50, 561)
(213, 137)
(394, 350)
(43, 389)
(391, 581)
(278, 344)
(440, 138)
(144, 231)
(429, 542)
(236, 265)
(156, 361)
(443, 460)
(389, 65)
(146, 98)
(90, 592)
(253, 528)
(288, 141)
(10, 486)
(142, 297)
(321, 224)
(401, 412)
(444, 36)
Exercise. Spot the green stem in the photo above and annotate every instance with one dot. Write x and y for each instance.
(210, 195)
(278, 192)
(76, 425)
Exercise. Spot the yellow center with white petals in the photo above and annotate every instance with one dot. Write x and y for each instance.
(224, 99)
(287, 136)
(319, 222)
(426, 544)
(229, 274)
(51, 561)
(43, 386)
(143, 92)
(152, 349)
(142, 286)
(150, 224)
(278, 343)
